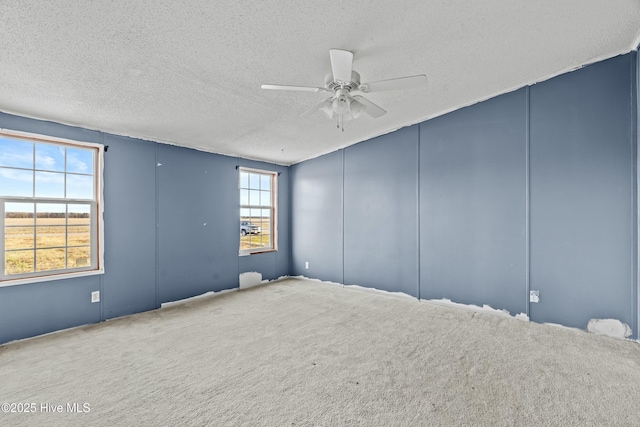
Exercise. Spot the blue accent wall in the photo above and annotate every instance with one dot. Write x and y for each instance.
(473, 205)
(198, 208)
(531, 190)
(583, 196)
(171, 225)
(316, 217)
(380, 212)
(129, 282)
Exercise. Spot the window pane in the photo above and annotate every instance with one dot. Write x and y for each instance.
(50, 225)
(18, 238)
(49, 184)
(17, 262)
(51, 214)
(244, 197)
(245, 241)
(50, 157)
(38, 237)
(254, 198)
(244, 180)
(16, 182)
(17, 154)
(79, 214)
(50, 259)
(266, 227)
(51, 236)
(78, 235)
(265, 198)
(255, 221)
(254, 181)
(79, 257)
(265, 182)
(79, 187)
(80, 160)
(17, 213)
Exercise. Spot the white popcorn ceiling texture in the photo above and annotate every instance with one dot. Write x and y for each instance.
(189, 72)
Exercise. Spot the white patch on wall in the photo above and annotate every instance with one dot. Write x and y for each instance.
(250, 279)
(611, 327)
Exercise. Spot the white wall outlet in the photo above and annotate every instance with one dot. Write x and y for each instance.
(306, 265)
(534, 296)
(95, 296)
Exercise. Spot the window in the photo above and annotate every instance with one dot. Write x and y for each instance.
(257, 211)
(50, 207)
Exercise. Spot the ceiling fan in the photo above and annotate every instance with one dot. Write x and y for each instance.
(342, 82)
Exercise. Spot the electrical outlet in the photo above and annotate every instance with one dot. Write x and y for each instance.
(534, 296)
(95, 296)
(306, 265)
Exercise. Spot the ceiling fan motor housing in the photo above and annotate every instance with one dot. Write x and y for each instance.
(331, 84)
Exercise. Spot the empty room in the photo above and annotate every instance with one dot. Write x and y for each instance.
(302, 213)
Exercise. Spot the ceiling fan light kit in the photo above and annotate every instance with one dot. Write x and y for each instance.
(342, 81)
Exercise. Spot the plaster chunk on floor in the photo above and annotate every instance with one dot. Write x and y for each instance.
(611, 327)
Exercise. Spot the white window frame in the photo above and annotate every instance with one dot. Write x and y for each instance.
(273, 207)
(96, 225)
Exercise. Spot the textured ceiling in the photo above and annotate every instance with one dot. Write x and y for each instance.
(189, 72)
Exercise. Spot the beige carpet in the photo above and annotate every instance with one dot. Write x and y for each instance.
(299, 352)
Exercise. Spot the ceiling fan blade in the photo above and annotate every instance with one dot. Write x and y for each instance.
(299, 88)
(410, 82)
(341, 64)
(356, 108)
(319, 106)
(372, 109)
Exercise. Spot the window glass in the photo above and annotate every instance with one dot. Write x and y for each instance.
(16, 153)
(79, 186)
(48, 194)
(80, 160)
(50, 184)
(256, 211)
(16, 182)
(50, 157)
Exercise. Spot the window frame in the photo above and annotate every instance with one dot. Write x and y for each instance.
(273, 215)
(96, 204)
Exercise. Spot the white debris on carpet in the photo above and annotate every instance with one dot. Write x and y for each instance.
(611, 327)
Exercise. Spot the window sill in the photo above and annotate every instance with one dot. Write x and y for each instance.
(266, 251)
(61, 276)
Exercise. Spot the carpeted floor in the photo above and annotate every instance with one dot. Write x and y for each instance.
(298, 352)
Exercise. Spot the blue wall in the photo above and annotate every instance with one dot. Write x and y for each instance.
(583, 194)
(317, 226)
(380, 212)
(531, 190)
(157, 200)
(473, 204)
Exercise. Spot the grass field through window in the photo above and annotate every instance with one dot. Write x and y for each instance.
(255, 241)
(49, 244)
